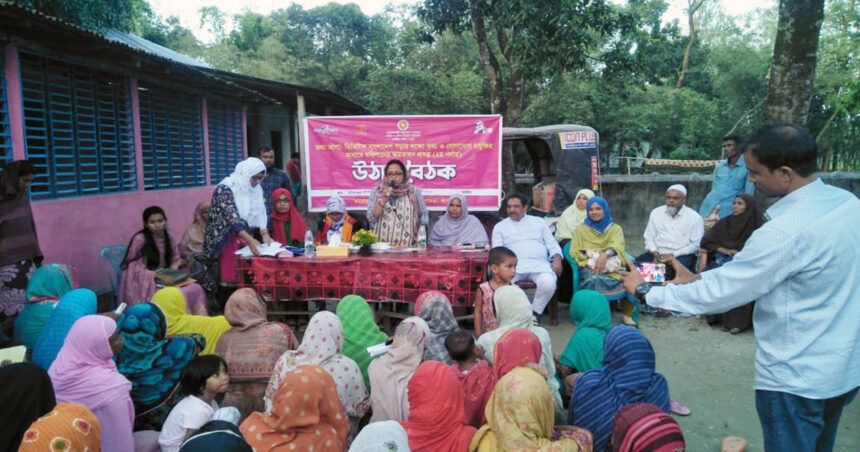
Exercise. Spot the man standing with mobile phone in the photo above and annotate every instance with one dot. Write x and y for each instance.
(801, 268)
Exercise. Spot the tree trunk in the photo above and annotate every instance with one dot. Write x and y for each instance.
(794, 58)
(692, 6)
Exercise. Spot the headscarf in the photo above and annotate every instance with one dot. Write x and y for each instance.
(381, 436)
(405, 189)
(44, 289)
(466, 229)
(84, 371)
(216, 435)
(321, 346)
(517, 347)
(644, 427)
(390, 373)
(607, 218)
(437, 421)
(69, 426)
(294, 217)
(151, 362)
(172, 304)
(11, 175)
(50, 282)
(359, 332)
(435, 309)
(572, 216)
(520, 416)
(254, 344)
(627, 376)
(249, 200)
(72, 306)
(733, 231)
(306, 413)
(196, 232)
(330, 228)
(27, 394)
(589, 311)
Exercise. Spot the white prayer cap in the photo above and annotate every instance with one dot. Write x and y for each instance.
(679, 188)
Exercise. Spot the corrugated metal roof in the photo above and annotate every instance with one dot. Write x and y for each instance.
(136, 42)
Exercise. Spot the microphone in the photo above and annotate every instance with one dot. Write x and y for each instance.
(391, 198)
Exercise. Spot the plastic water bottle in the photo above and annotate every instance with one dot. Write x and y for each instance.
(309, 244)
(422, 238)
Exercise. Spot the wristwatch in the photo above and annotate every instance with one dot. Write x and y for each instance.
(642, 290)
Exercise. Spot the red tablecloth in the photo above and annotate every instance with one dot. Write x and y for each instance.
(379, 277)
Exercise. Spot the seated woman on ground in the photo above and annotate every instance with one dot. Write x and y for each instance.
(172, 303)
(597, 247)
(589, 312)
(153, 362)
(288, 226)
(457, 226)
(84, 372)
(719, 246)
(251, 348)
(44, 290)
(336, 222)
(627, 376)
(150, 249)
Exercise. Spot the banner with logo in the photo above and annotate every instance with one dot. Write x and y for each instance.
(444, 155)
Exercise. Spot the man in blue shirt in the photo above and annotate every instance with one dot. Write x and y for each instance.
(275, 177)
(730, 180)
(801, 268)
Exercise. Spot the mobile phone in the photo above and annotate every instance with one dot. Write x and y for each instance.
(652, 272)
(120, 308)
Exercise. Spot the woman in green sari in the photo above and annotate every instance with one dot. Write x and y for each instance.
(47, 285)
(597, 247)
(359, 332)
(589, 311)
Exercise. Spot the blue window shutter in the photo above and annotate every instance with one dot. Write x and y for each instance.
(226, 147)
(171, 131)
(78, 129)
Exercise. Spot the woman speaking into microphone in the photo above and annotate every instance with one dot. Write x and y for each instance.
(396, 208)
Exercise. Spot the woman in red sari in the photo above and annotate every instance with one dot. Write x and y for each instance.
(288, 226)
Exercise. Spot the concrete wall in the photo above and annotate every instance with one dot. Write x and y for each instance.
(631, 197)
(74, 230)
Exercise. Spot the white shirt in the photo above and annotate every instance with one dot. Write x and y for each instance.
(531, 240)
(189, 414)
(801, 268)
(678, 235)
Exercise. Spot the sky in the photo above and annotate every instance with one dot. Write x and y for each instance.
(186, 10)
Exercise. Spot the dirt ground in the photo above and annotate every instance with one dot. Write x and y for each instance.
(710, 372)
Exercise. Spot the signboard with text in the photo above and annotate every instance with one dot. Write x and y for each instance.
(444, 155)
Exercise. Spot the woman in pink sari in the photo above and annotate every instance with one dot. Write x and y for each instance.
(150, 249)
(84, 372)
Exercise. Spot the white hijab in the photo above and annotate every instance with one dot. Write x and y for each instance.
(249, 200)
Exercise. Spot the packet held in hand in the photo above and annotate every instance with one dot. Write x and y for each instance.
(378, 349)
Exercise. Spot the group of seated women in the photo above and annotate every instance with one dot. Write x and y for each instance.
(157, 377)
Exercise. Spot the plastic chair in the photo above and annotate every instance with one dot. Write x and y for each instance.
(113, 255)
(623, 295)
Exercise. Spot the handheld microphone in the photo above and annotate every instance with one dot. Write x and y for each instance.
(391, 198)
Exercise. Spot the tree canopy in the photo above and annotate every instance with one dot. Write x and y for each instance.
(643, 82)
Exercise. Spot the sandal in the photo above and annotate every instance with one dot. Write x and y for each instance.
(679, 409)
(627, 320)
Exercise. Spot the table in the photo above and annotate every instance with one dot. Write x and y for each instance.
(385, 277)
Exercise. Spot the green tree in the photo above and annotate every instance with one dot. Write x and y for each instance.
(96, 15)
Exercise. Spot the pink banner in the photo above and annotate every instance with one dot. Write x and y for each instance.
(444, 155)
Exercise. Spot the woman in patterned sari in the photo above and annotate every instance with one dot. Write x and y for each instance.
(396, 208)
(152, 363)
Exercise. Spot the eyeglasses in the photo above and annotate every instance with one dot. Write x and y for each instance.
(394, 174)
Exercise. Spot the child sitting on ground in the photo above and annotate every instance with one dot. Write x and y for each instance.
(202, 380)
(475, 375)
(503, 266)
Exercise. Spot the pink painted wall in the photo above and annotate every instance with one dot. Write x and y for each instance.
(73, 231)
